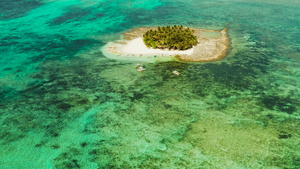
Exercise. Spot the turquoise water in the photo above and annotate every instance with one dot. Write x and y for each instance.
(65, 105)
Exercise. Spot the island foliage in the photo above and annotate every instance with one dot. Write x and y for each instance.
(175, 37)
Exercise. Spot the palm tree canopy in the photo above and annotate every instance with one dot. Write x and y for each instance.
(176, 37)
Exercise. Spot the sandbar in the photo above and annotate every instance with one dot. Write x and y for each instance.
(213, 45)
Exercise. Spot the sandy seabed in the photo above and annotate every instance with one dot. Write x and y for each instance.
(209, 48)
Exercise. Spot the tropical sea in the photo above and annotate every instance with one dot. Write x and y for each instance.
(63, 104)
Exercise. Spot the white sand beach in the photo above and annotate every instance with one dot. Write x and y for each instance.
(137, 47)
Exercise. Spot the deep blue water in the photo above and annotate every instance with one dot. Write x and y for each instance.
(65, 105)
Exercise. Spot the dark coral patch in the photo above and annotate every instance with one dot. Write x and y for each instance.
(83, 144)
(100, 15)
(7, 92)
(7, 69)
(284, 135)
(74, 14)
(10, 9)
(59, 47)
(64, 106)
(282, 104)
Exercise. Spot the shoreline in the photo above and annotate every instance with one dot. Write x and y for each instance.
(213, 45)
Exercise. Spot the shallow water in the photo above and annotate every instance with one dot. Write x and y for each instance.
(65, 105)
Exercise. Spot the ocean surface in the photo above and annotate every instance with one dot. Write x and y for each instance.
(63, 104)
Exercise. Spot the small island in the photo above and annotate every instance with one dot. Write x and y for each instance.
(170, 43)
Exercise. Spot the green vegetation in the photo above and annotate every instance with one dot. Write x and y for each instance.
(176, 37)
